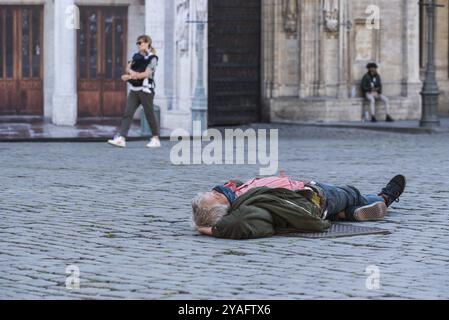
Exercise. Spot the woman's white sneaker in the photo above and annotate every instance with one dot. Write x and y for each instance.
(118, 141)
(154, 143)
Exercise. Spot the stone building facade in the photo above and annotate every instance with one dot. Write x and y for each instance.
(78, 65)
(315, 57)
(261, 60)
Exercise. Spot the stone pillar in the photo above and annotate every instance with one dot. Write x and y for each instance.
(49, 68)
(277, 48)
(199, 102)
(154, 27)
(412, 42)
(267, 68)
(308, 63)
(343, 51)
(65, 101)
(430, 91)
(411, 83)
(169, 52)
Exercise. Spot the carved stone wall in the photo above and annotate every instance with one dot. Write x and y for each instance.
(315, 74)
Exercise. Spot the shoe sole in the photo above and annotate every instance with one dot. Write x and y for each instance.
(372, 212)
(115, 145)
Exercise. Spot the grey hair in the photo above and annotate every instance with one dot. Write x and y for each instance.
(206, 217)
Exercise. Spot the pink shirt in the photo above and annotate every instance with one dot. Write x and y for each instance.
(270, 182)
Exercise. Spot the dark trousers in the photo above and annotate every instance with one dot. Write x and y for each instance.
(346, 198)
(135, 99)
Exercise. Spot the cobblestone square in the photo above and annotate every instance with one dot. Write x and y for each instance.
(123, 218)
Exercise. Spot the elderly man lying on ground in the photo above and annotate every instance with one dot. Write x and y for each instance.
(263, 207)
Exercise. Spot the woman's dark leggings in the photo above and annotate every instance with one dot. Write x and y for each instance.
(135, 99)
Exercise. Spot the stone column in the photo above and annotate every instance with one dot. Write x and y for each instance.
(308, 25)
(199, 102)
(267, 68)
(49, 67)
(411, 83)
(65, 100)
(276, 50)
(154, 27)
(343, 51)
(430, 91)
(412, 42)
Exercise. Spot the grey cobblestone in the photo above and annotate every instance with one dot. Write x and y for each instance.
(123, 217)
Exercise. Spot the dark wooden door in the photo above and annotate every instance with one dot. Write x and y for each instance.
(234, 61)
(21, 60)
(101, 61)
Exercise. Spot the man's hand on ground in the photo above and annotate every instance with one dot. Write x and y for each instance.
(205, 230)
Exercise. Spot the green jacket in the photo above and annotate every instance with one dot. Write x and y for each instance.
(263, 212)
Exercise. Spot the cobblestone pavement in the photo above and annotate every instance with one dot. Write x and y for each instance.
(123, 218)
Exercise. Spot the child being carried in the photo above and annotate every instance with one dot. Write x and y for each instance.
(140, 63)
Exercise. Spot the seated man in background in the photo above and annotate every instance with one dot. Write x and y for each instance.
(372, 90)
(263, 207)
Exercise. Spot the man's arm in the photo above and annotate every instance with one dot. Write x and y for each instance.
(246, 222)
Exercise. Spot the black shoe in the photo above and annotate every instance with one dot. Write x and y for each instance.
(393, 190)
(373, 119)
(389, 119)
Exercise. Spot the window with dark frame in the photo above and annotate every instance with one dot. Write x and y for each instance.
(22, 23)
(112, 25)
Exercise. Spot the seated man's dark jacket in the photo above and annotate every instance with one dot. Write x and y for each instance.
(264, 212)
(367, 80)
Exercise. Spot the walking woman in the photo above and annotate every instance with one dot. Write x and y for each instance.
(140, 76)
